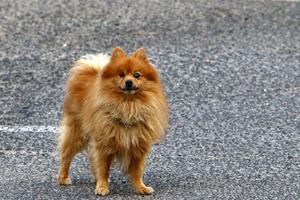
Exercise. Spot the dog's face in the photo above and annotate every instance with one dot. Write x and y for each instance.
(129, 75)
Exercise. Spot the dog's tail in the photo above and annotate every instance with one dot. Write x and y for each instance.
(90, 64)
(97, 61)
(84, 73)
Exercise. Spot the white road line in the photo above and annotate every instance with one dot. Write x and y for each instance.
(17, 128)
(23, 152)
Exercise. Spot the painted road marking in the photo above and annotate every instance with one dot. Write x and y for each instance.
(19, 128)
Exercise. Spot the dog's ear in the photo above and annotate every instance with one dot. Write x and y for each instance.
(118, 53)
(140, 54)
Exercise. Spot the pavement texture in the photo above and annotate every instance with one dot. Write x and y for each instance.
(231, 71)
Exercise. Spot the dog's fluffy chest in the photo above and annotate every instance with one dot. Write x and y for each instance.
(116, 137)
(124, 127)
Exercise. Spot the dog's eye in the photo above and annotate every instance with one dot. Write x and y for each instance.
(136, 75)
(122, 74)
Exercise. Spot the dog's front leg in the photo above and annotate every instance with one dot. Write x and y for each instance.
(102, 166)
(136, 171)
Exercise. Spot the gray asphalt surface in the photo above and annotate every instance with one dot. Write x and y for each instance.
(231, 72)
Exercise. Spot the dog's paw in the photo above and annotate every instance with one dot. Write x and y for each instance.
(145, 190)
(64, 181)
(102, 190)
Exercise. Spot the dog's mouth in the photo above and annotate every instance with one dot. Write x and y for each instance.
(129, 90)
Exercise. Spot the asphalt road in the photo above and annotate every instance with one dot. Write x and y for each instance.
(231, 71)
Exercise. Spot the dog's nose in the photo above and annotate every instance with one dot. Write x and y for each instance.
(128, 84)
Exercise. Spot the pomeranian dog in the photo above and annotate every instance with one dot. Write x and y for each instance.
(115, 108)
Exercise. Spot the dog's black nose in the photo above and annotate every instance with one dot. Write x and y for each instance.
(128, 85)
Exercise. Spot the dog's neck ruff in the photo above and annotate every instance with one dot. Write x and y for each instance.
(125, 124)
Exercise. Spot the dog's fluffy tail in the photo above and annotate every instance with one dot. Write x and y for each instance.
(90, 63)
(97, 61)
(83, 74)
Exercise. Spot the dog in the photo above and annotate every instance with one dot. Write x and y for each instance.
(115, 108)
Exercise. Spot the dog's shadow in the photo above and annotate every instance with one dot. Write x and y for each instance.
(161, 181)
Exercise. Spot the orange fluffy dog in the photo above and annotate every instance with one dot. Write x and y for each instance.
(114, 107)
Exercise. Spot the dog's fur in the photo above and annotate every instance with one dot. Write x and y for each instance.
(112, 123)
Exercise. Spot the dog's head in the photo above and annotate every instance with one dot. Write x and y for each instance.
(129, 75)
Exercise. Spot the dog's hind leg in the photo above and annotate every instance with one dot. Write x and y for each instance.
(71, 142)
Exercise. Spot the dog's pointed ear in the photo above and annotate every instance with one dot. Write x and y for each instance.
(118, 53)
(140, 54)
